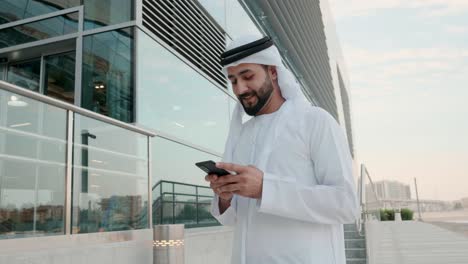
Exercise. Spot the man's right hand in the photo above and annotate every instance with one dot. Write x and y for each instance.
(212, 178)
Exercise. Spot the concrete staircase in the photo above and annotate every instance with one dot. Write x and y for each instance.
(355, 245)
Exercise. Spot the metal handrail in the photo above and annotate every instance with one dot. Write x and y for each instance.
(67, 106)
(197, 202)
(180, 183)
(362, 198)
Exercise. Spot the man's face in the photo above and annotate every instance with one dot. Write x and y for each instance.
(252, 84)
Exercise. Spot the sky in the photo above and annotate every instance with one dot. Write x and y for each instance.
(407, 62)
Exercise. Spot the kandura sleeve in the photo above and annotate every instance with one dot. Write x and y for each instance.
(229, 217)
(333, 200)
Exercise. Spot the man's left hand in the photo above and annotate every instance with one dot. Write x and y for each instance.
(248, 181)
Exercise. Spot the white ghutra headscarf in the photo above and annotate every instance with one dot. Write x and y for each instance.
(290, 89)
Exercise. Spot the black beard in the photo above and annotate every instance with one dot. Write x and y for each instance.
(264, 93)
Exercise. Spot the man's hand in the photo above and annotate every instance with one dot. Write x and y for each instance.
(213, 178)
(248, 181)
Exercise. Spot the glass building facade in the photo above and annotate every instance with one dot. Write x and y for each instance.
(98, 56)
(150, 64)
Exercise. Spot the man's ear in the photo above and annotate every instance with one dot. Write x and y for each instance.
(273, 73)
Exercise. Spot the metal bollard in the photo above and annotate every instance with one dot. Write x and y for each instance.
(168, 244)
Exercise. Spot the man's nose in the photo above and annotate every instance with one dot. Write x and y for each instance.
(241, 88)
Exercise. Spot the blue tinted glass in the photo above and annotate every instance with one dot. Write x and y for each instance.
(110, 177)
(174, 98)
(107, 86)
(60, 76)
(25, 74)
(12, 10)
(107, 12)
(43, 29)
(32, 167)
(3, 68)
(217, 9)
(238, 21)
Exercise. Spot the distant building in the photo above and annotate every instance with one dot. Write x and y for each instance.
(464, 202)
(391, 190)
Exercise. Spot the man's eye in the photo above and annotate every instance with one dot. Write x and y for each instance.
(248, 77)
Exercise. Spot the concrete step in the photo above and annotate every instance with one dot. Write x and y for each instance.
(349, 227)
(356, 261)
(352, 235)
(355, 243)
(356, 253)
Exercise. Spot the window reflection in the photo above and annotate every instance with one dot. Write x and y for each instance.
(173, 98)
(217, 10)
(60, 76)
(25, 74)
(107, 86)
(167, 155)
(3, 72)
(110, 178)
(43, 29)
(179, 195)
(238, 21)
(32, 167)
(107, 12)
(12, 10)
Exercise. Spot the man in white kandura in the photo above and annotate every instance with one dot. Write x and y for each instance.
(293, 187)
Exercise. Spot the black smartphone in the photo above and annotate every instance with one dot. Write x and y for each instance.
(209, 167)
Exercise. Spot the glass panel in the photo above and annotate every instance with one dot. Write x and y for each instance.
(108, 74)
(238, 21)
(173, 98)
(167, 215)
(168, 155)
(25, 74)
(217, 10)
(60, 76)
(185, 213)
(43, 29)
(3, 68)
(185, 189)
(13, 10)
(175, 162)
(205, 191)
(107, 12)
(204, 215)
(32, 167)
(110, 177)
(168, 197)
(167, 187)
(186, 198)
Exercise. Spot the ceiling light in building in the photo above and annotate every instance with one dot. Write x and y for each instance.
(97, 161)
(94, 186)
(20, 125)
(209, 123)
(99, 85)
(180, 125)
(15, 101)
(176, 107)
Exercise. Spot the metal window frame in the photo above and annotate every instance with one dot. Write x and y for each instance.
(41, 17)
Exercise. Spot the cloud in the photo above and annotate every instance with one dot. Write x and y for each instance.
(366, 57)
(456, 29)
(353, 8)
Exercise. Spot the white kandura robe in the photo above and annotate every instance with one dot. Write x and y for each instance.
(308, 189)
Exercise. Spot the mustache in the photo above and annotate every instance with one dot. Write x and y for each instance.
(245, 95)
